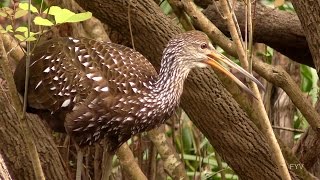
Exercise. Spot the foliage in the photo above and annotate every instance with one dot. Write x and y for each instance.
(51, 16)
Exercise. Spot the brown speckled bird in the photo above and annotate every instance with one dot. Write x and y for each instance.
(97, 89)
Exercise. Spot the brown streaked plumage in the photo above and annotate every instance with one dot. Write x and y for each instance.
(104, 90)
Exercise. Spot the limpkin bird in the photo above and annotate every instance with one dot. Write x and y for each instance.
(94, 90)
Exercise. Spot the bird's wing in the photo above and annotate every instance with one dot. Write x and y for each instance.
(64, 71)
(98, 117)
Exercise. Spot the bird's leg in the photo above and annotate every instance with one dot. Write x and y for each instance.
(107, 164)
(79, 162)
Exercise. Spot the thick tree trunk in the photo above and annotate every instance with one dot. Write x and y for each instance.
(205, 100)
(13, 147)
(14, 150)
(309, 147)
(308, 12)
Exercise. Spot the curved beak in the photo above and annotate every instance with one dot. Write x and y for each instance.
(215, 59)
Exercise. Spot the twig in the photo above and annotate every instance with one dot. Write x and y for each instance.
(288, 129)
(129, 23)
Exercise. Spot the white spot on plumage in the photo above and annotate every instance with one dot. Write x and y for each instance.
(91, 106)
(86, 56)
(143, 109)
(132, 83)
(56, 78)
(90, 75)
(78, 129)
(53, 68)
(47, 57)
(96, 137)
(47, 70)
(135, 90)
(97, 78)
(101, 56)
(97, 88)
(104, 89)
(86, 64)
(87, 114)
(53, 88)
(40, 82)
(76, 48)
(115, 61)
(66, 103)
(90, 125)
(75, 40)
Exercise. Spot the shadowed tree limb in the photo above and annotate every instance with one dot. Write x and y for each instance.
(278, 29)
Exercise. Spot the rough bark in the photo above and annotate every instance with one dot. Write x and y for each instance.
(13, 146)
(205, 100)
(4, 173)
(308, 12)
(278, 29)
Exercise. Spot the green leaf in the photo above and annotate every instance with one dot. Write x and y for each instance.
(25, 6)
(42, 22)
(9, 28)
(19, 37)
(53, 10)
(65, 15)
(3, 31)
(31, 38)
(7, 10)
(3, 14)
(79, 17)
(187, 139)
(31, 34)
(21, 29)
(20, 13)
(307, 79)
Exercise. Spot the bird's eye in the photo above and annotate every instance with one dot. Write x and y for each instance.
(204, 46)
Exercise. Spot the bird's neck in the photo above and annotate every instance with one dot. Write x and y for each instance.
(168, 87)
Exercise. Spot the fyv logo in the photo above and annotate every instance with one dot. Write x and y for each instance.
(295, 166)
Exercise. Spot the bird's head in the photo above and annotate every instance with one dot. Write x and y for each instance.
(194, 49)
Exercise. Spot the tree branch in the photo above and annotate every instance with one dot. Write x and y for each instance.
(172, 161)
(278, 29)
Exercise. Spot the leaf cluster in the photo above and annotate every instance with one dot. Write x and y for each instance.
(51, 16)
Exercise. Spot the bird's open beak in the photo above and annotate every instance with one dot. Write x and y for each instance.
(215, 58)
